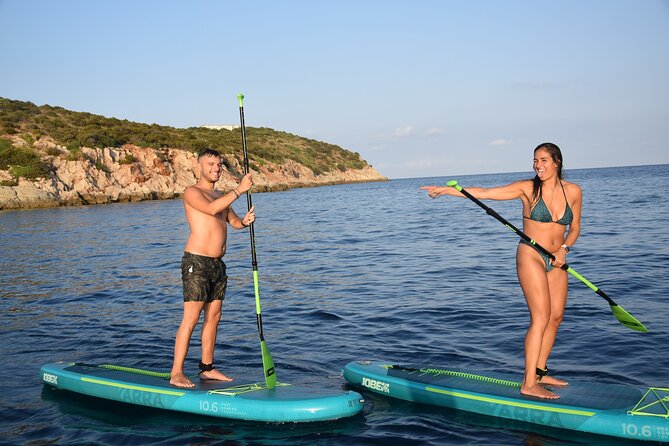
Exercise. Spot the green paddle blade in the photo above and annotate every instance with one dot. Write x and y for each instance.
(268, 365)
(627, 319)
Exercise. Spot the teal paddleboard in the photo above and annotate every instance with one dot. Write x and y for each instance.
(599, 408)
(244, 401)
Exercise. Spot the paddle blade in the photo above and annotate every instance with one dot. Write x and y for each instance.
(627, 319)
(268, 365)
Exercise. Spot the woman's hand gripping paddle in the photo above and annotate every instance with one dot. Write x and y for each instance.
(623, 316)
(267, 362)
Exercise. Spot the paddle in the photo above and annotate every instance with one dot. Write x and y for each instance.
(267, 362)
(623, 316)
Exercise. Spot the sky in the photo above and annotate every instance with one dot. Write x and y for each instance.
(419, 88)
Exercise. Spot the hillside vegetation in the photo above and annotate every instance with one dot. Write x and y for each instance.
(75, 130)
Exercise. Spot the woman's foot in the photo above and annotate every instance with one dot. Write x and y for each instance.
(538, 391)
(214, 374)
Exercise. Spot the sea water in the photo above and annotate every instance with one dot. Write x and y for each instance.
(348, 272)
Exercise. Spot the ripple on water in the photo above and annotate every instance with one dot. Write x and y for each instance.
(430, 282)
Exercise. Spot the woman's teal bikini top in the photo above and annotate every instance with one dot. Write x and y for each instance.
(541, 213)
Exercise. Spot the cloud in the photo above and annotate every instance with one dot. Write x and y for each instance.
(499, 142)
(410, 130)
(404, 131)
(535, 84)
(421, 163)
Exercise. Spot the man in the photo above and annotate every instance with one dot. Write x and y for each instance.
(208, 212)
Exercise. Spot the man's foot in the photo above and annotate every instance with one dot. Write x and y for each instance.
(550, 381)
(538, 391)
(180, 380)
(214, 374)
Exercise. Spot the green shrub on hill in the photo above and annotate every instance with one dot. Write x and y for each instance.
(78, 129)
(21, 162)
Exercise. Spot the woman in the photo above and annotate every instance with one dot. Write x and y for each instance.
(550, 206)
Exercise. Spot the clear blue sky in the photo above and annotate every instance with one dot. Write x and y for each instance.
(418, 88)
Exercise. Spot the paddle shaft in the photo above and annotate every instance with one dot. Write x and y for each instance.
(623, 316)
(268, 363)
(525, 237)
(249, 200)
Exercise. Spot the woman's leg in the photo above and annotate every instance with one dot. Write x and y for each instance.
(534, 283)
(557, 284)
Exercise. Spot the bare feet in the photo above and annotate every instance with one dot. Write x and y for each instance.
(538, 391)
(550, 381)
(214, 375)
(180, 380)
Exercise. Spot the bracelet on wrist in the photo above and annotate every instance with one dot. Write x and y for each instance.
(567, 248)
(236, 193)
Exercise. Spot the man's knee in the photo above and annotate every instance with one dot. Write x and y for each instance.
(212, 313)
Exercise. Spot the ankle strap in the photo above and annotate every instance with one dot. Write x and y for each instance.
(206, 367)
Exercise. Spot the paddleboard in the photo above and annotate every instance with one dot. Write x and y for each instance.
(244, 401)
(599, 408)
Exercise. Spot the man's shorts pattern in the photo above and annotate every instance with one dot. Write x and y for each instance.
(204, 278)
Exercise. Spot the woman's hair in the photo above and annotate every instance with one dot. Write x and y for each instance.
(556, 154)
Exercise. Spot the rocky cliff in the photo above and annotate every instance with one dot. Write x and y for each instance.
(132, 173)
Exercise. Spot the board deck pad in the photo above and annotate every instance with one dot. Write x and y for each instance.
(246, 401)
(600, 408)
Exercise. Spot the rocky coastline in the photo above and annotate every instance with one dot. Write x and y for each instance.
(132, 173)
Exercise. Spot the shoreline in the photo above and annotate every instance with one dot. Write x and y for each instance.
(39, 200)
(131, 173)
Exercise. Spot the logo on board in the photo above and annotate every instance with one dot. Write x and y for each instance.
(373, 384)
(49, 378)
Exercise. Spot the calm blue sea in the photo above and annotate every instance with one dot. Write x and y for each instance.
(363, 271)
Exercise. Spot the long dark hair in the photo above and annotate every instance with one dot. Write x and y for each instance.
(556, 154)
